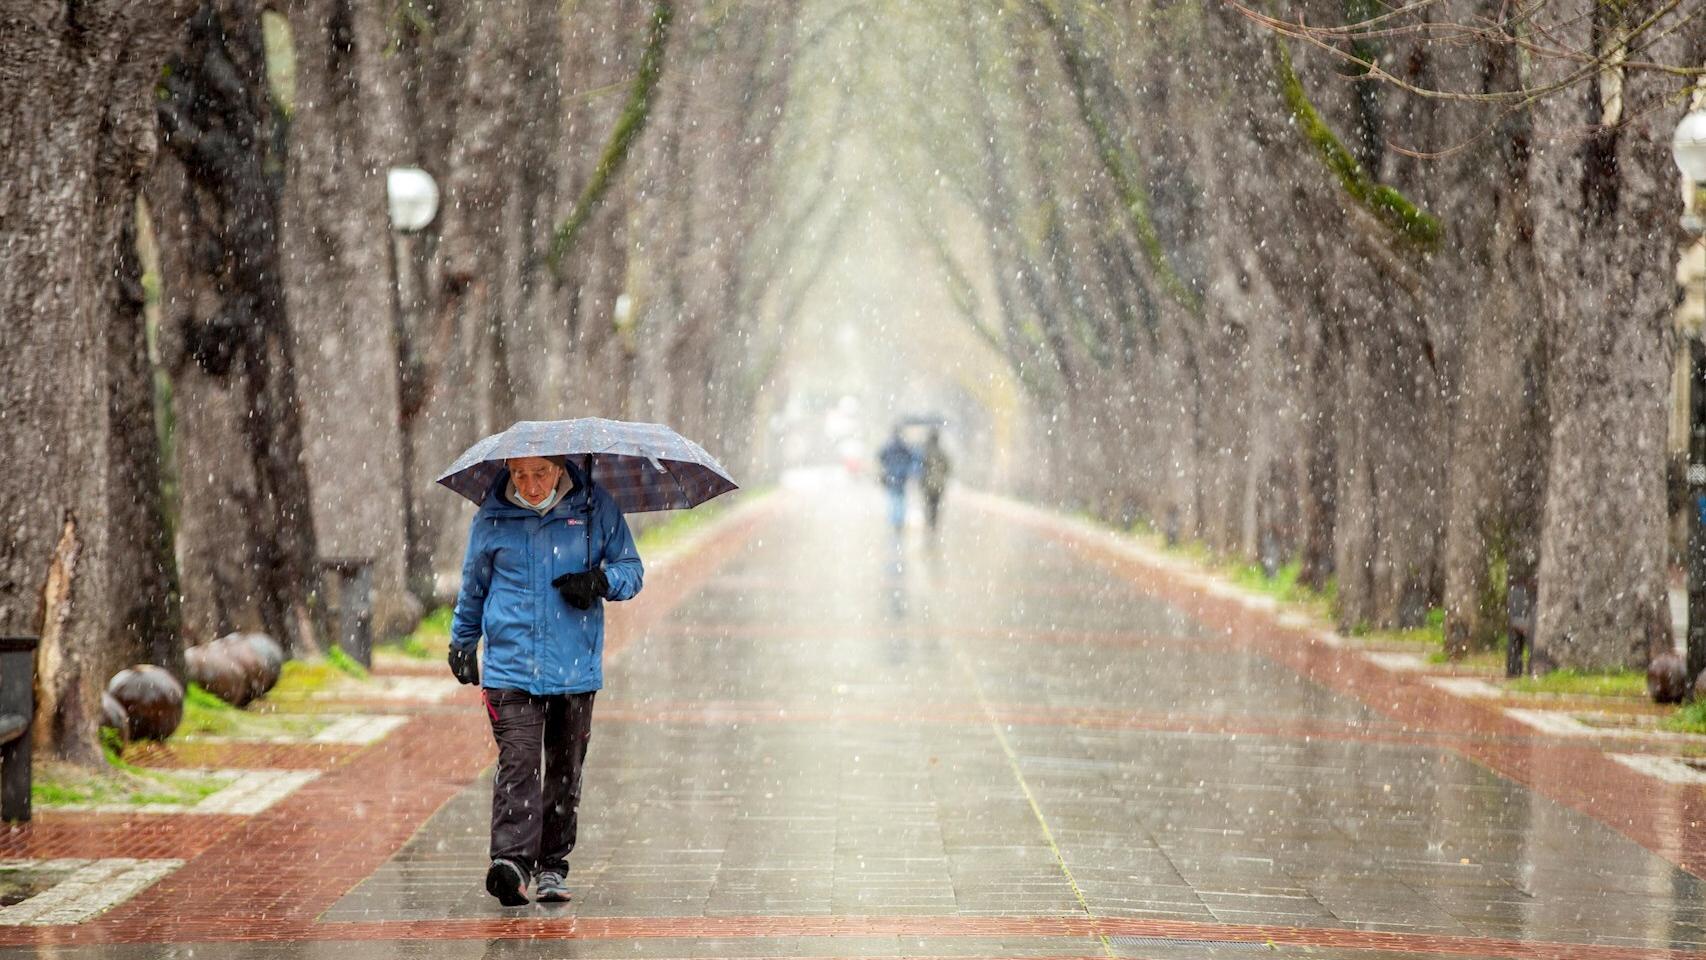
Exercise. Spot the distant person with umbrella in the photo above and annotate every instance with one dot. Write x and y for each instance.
(896, 464)
(933, 470)
(547, 548)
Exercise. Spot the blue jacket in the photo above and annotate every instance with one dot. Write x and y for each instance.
(535, 641)
(898, 463)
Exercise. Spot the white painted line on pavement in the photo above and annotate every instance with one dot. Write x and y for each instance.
(359, 730)
(1551, 721)
(1403, 662)
(1467, 686)
(94, 887)
(1568, 725)
(423, 689)
(1668, 769)
(255, 790)
(250, 792)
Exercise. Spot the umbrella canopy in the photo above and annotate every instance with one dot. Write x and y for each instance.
(922, 420)
(643, 466)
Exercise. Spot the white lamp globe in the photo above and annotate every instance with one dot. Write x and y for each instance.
(413, 197)
(1689, 146)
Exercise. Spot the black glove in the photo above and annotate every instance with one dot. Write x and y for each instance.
(465, 663)
(579, 590)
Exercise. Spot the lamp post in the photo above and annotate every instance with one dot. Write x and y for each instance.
(1688, 146)
(411, 197)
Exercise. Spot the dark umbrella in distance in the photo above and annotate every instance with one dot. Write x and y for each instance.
(643, 466)
(922, 420)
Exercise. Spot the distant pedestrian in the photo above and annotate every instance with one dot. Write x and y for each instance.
(897, 463)
(547, 548)
(933, 470)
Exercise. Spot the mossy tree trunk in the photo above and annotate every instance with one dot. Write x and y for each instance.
(246, 534)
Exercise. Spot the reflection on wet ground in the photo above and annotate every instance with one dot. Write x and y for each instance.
(839, 727)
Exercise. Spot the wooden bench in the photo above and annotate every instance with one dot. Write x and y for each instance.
(17, 708)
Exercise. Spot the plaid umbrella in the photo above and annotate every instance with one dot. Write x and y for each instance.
(644, 466)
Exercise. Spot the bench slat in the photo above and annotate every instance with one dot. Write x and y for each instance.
(12, 726)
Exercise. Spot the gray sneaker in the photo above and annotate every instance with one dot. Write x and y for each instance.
(550, 888)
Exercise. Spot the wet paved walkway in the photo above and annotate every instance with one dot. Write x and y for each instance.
(1008, 743)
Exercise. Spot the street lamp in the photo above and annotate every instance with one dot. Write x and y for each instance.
(411, 199)
(1688, 146)
(412, 196)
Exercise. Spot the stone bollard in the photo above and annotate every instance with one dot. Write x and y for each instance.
(152, 699)
(1667, 678)
(212, 667)
(249, 661)
(272, 658)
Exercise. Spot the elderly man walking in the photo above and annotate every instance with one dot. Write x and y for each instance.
(545, 551)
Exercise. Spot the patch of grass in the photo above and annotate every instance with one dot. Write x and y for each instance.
(205, 715)
(1620, 683)
(1195, 551)
(303, 678)
(1482, 660)
(1691, 718)
(1430, 634)
(344, 663)
(1285, 587)
(680, 524)
(112, 746)
(59, 784)
(430, 640)
(1282, 586)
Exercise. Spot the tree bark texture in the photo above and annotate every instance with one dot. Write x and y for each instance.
(338, 271)
(246, 539)
(1604, 199)
(78, 124)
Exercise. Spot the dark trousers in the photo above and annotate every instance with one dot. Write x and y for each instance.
(541, 748)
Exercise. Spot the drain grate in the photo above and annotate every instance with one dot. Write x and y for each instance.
(1184, 942)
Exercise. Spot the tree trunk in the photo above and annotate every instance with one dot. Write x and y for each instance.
(146, 619)
(335, 233)
(246, 537)
(78, 125)
(1603, 204)
(463, 73)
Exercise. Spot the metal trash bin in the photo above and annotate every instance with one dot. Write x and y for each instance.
(348, 582)
(17, 714)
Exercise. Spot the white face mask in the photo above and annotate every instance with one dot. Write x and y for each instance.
(543, 505)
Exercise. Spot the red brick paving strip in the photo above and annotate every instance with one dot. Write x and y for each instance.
(238, 755)
(93, 835)
(768, 927)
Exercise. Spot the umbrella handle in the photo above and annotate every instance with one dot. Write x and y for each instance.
(588, 462)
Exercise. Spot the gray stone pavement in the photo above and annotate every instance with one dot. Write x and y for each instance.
(991, 725)
(814, 733)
